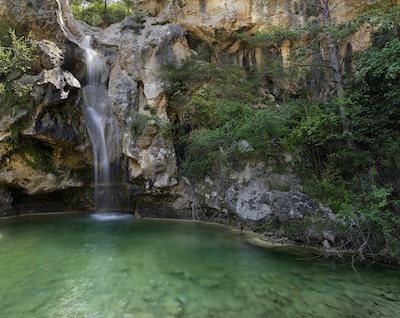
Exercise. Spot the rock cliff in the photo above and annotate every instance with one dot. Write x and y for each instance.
(44, 146)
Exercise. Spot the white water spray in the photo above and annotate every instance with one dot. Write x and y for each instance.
(100, 124)
(97, 115)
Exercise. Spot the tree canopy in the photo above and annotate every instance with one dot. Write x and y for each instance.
(101, 12)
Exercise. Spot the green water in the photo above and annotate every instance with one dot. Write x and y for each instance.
(87, 266)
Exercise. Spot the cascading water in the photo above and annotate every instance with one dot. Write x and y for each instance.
(97, 113)
(100, 124)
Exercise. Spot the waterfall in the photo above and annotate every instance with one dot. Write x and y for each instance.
(97, 115)
(101, 126)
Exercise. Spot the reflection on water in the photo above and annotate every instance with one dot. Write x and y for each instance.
(111, 216)
(117, 266)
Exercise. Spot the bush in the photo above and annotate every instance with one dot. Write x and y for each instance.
(203, 152)
(15, 57)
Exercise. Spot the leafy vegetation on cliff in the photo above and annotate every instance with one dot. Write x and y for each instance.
(16, 56)
(16, 53)
(347, 140)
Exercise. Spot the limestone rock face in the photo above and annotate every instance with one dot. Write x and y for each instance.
(136, 92)
(49, 56)
(43, 141)
(151, 157)
(37, 16)
(142, 54)
(20, 173)
(54, 86)
(250, 193)
(213, 25)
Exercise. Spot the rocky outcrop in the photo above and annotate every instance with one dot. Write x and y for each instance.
(151, 157)
(256, 193)
(53, 87)
(213, 22)
(136, 92)
(48, 56)
(43, 143)
(36, 16)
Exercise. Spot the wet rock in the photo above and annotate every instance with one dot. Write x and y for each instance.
(6, 201)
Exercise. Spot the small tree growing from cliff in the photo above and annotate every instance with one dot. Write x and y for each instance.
(15, 58)
(313, 38)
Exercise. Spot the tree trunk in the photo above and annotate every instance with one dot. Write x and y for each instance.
(105, 12)
(337, 72)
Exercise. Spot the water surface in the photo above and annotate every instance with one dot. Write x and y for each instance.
(112, 265)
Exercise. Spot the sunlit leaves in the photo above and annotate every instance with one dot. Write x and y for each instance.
(15, 57)
(96, 12)
(380, 62)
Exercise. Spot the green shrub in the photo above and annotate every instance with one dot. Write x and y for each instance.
(16, 56)
(203, 151)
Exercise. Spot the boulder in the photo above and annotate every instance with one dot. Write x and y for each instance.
(48, 56)
(155, 162)
(54, 86)
(294, 205)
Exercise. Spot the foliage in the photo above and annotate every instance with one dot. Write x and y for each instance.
(219, 115)
(98, 12)
(15, 57)
(220, 107)
(374, 228)
(34, 152)
(273, 35)
(203, 152)
(140, 121)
